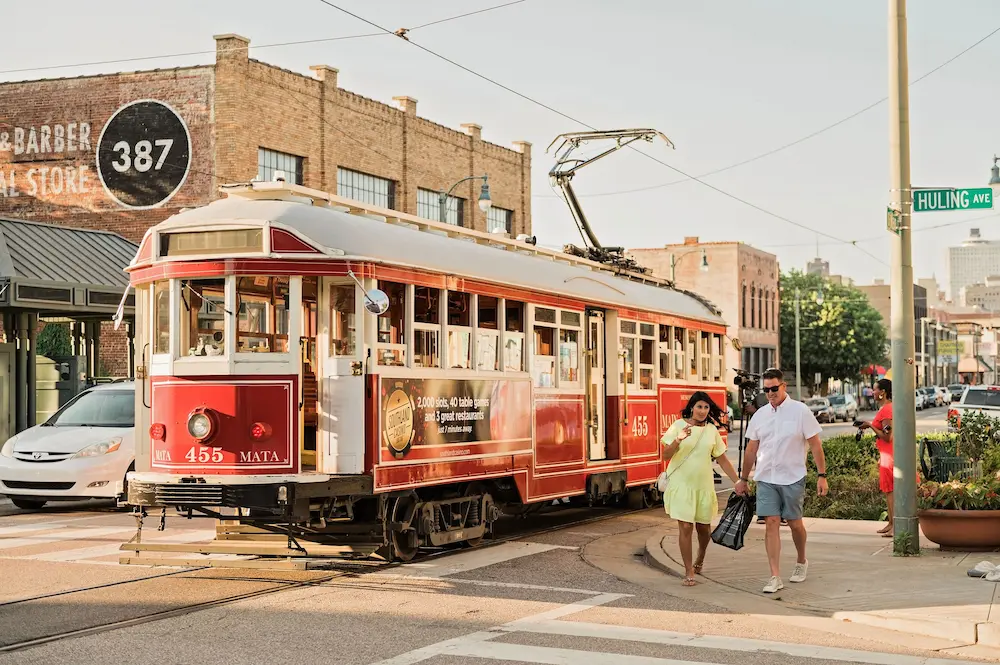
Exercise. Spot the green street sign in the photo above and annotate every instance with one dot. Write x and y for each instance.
(932, 200)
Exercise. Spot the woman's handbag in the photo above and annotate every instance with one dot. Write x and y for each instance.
(663, 480)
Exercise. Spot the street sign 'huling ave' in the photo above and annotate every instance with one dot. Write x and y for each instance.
(930, 200)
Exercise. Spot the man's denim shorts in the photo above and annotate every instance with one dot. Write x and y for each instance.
(784, 500)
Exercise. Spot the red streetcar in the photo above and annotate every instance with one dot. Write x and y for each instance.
(356, 378)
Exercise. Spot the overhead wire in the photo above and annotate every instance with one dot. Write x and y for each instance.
(300, 42)
(796, 142)
(580, 122)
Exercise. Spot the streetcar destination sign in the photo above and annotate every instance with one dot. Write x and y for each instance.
(930, 200)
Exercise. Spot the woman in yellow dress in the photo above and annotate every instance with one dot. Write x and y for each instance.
(691, 444)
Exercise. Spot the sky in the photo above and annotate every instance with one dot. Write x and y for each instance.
(725, 80)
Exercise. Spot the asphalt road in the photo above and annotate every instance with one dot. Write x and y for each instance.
(559, 597)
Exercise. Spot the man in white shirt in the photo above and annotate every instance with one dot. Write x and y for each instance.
(778, 436)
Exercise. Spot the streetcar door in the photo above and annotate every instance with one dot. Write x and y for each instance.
(596, 387)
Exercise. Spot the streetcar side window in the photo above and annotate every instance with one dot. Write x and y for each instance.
(203, 317)
(459, 330)
(343, 320)
(692, 349)
(679, 355)
(262, 314)
(569, 348)
(391, 343)
(626, 342)
(487, 334)
(665, 352)
(706, 356)
(719, 366)
(647, 356)
(513, 338)
(543, 366)
(426, 326)
(161, 316)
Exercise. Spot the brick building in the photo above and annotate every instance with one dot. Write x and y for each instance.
(123, 151)
(741, 280)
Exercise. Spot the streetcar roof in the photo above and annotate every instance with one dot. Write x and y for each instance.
(367, 237)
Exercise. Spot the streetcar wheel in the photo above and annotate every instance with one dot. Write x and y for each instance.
(404, 542)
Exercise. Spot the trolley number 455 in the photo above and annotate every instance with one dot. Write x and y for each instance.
(640, 426)
(204, 454)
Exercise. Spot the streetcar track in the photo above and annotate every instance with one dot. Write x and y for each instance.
(279, 585)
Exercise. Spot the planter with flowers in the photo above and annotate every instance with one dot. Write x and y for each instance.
(963, 512)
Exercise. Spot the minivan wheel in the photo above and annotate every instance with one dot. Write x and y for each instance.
(27, 504)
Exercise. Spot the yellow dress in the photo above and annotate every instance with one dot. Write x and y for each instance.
(690, 495)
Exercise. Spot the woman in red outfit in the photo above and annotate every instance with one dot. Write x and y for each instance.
(882, 426)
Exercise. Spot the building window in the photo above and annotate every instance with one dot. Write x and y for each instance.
(743, 308)
(366, 188)
(753, 306)
(499, 219)
(269, 161)
(429, 207)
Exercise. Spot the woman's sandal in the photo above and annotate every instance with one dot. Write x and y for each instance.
(689, 581)
(697, 567)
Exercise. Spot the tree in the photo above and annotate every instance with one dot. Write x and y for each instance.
(838, 337)
(54, 341)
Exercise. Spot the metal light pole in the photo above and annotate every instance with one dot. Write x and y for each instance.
(484, 196)
(798, 355)
(905, 526)
(674, 261)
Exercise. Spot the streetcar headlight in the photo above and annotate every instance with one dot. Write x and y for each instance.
(199, 426)
(102, 448)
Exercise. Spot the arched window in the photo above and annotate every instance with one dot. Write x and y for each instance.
(743, 307)
(753, 306)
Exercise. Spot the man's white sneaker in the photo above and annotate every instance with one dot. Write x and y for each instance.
(800, 572)
(774, 585)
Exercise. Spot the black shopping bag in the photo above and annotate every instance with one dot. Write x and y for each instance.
(735, 521)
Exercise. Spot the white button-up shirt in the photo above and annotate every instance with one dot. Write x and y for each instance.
(783, 433)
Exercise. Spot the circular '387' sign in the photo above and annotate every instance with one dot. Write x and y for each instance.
(144, 154)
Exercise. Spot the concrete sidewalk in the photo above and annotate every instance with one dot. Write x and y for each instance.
(853, 577)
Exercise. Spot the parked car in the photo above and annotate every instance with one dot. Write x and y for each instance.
(931, 397)
(820, 407)
(985, 399)
(845, 407)
(946, 394)
(957, 389)
(919, 400)
(83, 451)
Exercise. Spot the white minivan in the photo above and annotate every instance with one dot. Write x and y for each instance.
(83, 451)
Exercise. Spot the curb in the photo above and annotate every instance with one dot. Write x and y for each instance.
(964, 632)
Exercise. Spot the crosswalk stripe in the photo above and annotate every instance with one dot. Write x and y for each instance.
(83, 553)
(521, 653)
(72, 534)
(28, 528)
(666, 637)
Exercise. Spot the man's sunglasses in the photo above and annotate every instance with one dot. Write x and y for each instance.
(772, 389)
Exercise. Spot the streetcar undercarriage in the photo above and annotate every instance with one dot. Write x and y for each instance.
(340, 518)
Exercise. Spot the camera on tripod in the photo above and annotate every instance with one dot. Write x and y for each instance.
(748, 384)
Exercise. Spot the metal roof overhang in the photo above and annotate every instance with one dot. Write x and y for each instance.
(61, 271)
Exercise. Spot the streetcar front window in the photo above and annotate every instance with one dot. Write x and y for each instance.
(262, 314)
(203, 317)
(161, 317)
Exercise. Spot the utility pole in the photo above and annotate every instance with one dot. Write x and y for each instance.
(905, 526)
(798, 357)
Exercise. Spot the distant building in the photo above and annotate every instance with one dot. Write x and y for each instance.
(985, 295)
(935, 295)
(741, 280)
(818, 267)
(971, 262)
